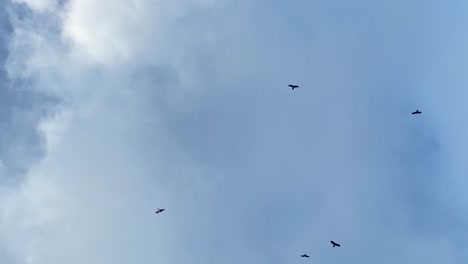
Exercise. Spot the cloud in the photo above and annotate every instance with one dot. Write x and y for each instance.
(90, 202)
(184, 105)
(39, 5)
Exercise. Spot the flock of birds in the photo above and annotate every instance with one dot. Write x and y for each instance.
(160, 210)
(293, 86)
(334, 244)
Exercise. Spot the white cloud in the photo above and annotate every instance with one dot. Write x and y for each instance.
(114, 32)
(109, 163)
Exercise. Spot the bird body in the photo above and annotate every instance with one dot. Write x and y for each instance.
(335, 244)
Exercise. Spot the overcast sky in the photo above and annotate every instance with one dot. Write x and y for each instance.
(110, 109)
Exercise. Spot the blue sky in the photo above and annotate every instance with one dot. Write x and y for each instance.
(113, 108)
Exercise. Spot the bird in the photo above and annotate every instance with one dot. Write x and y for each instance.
(293, 86)
(417, 112)
(304, 256)
(160, 210)
(335, 244)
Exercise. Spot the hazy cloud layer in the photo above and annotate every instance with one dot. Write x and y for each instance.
(184, 105)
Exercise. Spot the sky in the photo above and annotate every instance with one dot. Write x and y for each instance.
(111, 109)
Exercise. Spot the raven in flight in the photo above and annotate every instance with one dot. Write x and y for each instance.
(293, 86)
(335, 244)
(304, 256)
(160, 210)
(417, 112)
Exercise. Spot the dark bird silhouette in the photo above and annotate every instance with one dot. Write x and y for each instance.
(417, 112)
(304, 256)
(335, 244)
(160, 210)
(293, 86)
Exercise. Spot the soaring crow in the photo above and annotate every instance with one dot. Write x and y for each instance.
(304, 256)
(293, 86)
(160, 210)
(416, 113)
(335, 244)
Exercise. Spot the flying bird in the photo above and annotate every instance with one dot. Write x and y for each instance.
(417, 112)
(160, 210)
(304, 256)
(335, 244)
(293, 86)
